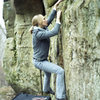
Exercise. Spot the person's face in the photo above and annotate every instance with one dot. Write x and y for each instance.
(44, 21)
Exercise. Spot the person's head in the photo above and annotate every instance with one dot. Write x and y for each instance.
(38, 20)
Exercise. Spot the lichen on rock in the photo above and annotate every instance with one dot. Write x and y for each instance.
(76, 48)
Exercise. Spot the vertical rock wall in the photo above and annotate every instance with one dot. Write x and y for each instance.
(81, 53)
(2, 45)
(20, 71)
(76, 48)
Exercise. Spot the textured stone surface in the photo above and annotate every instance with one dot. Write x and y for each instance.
(82, 50)
(2, 78)
(9, 17)
(76, 48)
(7, 93)
(49, 3)
(2, 45)
(28, 7)
(20, 71)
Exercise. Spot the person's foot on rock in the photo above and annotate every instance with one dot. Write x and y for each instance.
(50, 92)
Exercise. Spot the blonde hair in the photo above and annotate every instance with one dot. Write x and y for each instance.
(36, 20)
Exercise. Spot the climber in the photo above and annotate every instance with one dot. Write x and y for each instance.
(41, 42)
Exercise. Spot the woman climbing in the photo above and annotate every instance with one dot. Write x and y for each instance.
(41, 41)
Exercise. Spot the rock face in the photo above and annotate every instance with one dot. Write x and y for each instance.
(76, 48)
(20, 71)
(7, 93)
(2, 45)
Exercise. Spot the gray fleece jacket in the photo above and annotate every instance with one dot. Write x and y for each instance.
(41, 38)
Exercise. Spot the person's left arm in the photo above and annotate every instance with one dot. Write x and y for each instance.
(53, 13)
(51, 16)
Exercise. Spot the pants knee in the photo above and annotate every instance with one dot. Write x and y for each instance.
(61, 71)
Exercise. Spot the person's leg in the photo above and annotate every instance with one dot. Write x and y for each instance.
(46, 83)
(53, 68)
(60, 85)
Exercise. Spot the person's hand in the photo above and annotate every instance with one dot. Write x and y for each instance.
(58, 16)
(57, 3)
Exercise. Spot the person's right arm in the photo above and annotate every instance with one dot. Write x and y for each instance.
(44, 34)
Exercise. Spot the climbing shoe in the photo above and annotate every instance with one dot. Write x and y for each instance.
(50, 92)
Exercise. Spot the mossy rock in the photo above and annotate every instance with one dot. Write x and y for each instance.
(7, 93)
(50, 3)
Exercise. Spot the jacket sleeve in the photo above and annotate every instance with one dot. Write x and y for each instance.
(51, 16)
(44, 34)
